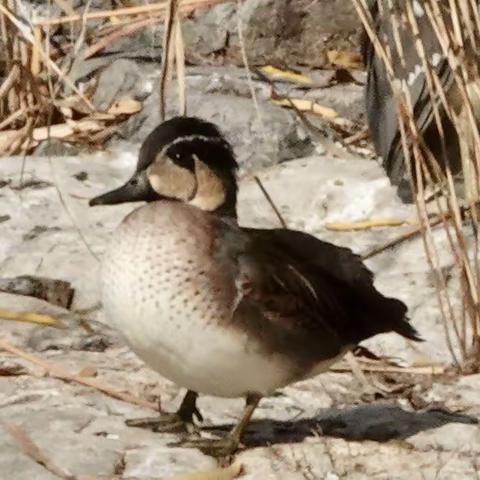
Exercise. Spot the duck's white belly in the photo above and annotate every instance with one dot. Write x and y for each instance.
(162, 292)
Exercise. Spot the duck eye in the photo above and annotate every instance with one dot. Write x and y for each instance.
(134, 181)
(183, 159)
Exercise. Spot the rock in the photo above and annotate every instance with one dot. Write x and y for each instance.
(75, 332)
(295, 33)
(57, 292)
(65, 239)
(260, 137)
(164, 462)
(121, 77)
(55, 147)
(16, 465)
(452, 437)
(281, 32)
(207, 33)
(275, 135)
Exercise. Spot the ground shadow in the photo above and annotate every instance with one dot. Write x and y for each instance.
(378, 421)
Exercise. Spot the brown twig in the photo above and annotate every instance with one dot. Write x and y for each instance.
(31, 449)
(316, 133)
(367, 224)
(356, 137)
(167, 54)
(437, 220)
(180, 64)
(9, 81)
(116, 34)
(56, 371)
(393, 243)
(283, 223)
(186, 7)
(246, 65)
(46, 58)
(227, 473)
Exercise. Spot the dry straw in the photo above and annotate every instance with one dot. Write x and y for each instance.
(456, 24)
(39, 97)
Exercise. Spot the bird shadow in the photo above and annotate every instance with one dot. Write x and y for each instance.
(378, 421)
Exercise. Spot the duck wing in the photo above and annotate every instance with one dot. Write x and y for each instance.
(292, 285)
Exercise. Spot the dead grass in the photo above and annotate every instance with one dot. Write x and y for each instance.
(457, 26)
(39, 98)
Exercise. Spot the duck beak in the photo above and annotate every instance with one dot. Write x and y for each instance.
(119, 195)
(137, 189)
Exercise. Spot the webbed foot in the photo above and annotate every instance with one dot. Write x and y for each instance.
(215, 447)
(180, 421)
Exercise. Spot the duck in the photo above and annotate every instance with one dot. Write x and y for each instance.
(221, 309)
(408, 70)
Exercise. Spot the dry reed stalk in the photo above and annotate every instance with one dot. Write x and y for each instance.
(246, 65)
(117, 33)
(28, 106)
(31, 449)
(174, 54)
(32, 88)
(180, 63)
(32, 93)
(187, 6)
(417, 170)
(168, 56)
(457, 28)
(270, 201)
(229, 472)
(28, 36)
(59, 372)
(9, 81)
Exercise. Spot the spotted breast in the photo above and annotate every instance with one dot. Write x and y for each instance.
(174, 304)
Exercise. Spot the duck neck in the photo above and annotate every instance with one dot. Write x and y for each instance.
(226, 211)
(229, 207)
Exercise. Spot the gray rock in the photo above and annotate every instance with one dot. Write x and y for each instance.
(164, 462)
(54, 147)
(450, 437)
(17, 465)
(260, 138)
(207, 33)
(275, 31)
(121, 77)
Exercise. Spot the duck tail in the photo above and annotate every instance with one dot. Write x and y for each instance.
(400, 322)
(404, 328)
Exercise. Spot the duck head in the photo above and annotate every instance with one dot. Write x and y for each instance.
(184, 159)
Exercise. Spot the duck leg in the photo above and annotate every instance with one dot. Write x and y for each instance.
(223, 447)
(181, 420)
